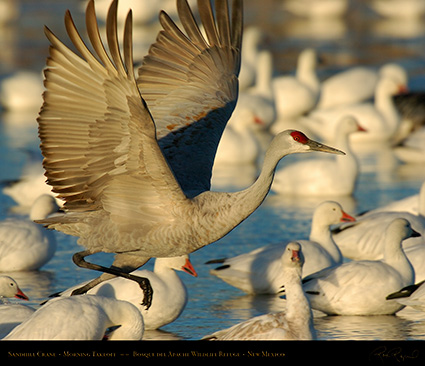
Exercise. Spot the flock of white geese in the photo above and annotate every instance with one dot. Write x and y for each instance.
(129, 155)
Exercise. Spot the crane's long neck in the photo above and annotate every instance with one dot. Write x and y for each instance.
(253, 196)
(230, 209)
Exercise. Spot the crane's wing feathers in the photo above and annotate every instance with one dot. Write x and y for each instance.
(97, 135)
(190, 85)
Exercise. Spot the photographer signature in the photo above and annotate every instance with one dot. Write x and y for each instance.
(385, 354)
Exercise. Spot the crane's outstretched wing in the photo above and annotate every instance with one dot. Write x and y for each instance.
(190, 86)
(97, 135)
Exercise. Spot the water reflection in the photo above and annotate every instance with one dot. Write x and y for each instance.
(385, 327)
(398, 28)
(315, 29)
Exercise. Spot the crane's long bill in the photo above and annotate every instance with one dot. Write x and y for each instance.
(316, 146)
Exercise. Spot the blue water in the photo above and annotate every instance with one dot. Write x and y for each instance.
(213, 304)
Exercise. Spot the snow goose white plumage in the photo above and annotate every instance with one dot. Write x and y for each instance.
(170, 292)
(380, 118)
(364, 240)
(295, 323)
(260, 271)
(11, 314)
(361, 287)
(25, 245)
(298, 94)
(362, 81)
(81, 318)
(413, 295)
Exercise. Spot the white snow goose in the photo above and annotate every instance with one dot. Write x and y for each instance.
(297, 94)
(295, 323)
(361, 287)
(364, 240)
(87, 317)
(25, 245)
(171, 294)
(362, 80)
(380, 118)
(260, 271)
(11, 314)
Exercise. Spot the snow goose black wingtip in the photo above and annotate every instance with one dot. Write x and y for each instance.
(405, 291)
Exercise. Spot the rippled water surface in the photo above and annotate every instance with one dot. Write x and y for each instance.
(359, 38)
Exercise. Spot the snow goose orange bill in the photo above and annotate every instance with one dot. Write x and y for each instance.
(87, 317)
(9, 288)
(295, 323)
(361, 287)
(132, 159)
(260, 271)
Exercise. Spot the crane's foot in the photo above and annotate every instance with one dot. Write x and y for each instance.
(146, 287)
(80, 291)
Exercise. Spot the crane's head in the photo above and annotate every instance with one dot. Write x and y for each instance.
(294, 141)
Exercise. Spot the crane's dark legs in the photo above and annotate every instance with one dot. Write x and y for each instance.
(110, 272)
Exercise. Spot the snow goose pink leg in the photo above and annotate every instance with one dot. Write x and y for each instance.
(134, 169)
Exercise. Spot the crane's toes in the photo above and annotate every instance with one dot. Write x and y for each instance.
(146, 287)
(79, 291)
